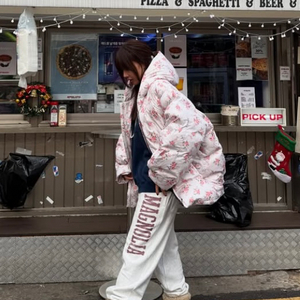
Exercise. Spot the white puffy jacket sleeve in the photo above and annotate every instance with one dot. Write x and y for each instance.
(180, 139)
(122, 163)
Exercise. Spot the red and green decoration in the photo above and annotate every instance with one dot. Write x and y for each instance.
(280, 157)
(37, 90)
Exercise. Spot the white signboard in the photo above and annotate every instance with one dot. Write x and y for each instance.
(246, 97)
(244, 68)
(118, 98)
(182, 84)
(8, 58)
(264, 5)
(175, 50)
(263, 116)
(259, 48)
(285, 73)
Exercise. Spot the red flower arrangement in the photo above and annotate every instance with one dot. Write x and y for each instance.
(38, 90)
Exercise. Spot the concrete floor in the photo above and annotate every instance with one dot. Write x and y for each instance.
(279, 284)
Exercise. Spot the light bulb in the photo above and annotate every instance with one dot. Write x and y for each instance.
(41, 21)
(71, 22)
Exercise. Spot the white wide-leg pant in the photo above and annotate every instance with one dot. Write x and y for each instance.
(151, 246)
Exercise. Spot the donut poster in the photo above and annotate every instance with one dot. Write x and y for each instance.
(175, 50)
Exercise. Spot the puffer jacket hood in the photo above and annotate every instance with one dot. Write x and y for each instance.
(159, 69)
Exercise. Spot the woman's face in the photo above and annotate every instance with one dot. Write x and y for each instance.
(131, 78)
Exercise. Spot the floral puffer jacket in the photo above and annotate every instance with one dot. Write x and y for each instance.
(186, 154)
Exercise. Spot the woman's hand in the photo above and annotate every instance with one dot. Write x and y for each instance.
(157, 188)
(128, 176)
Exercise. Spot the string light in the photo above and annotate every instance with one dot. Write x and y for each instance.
(13, 20)
(185, 22)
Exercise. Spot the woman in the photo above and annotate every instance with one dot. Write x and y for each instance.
(168, 153)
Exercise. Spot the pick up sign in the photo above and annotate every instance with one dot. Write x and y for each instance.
(263, 116)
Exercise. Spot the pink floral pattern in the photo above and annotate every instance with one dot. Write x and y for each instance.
(186, 154)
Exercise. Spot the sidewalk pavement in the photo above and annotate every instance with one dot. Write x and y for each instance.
(267, 285)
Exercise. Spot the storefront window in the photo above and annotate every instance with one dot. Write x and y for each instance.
(221, 69)
(8, 73)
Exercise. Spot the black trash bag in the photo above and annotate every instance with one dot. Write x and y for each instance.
(235, 206)
(18, 175)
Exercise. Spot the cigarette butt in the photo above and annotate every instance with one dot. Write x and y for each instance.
(88, 198)
(49, 200)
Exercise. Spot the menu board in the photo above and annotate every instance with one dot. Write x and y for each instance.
(175, 50)
(251, 52)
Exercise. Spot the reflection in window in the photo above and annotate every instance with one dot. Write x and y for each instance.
(213, 78)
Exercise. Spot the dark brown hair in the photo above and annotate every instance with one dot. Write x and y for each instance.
(130, 52)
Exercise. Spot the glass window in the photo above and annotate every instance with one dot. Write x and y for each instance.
(217, 65)
(8, 73)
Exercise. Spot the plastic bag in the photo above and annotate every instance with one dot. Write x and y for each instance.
(27, 47)
(235, 206)
(18, 175)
